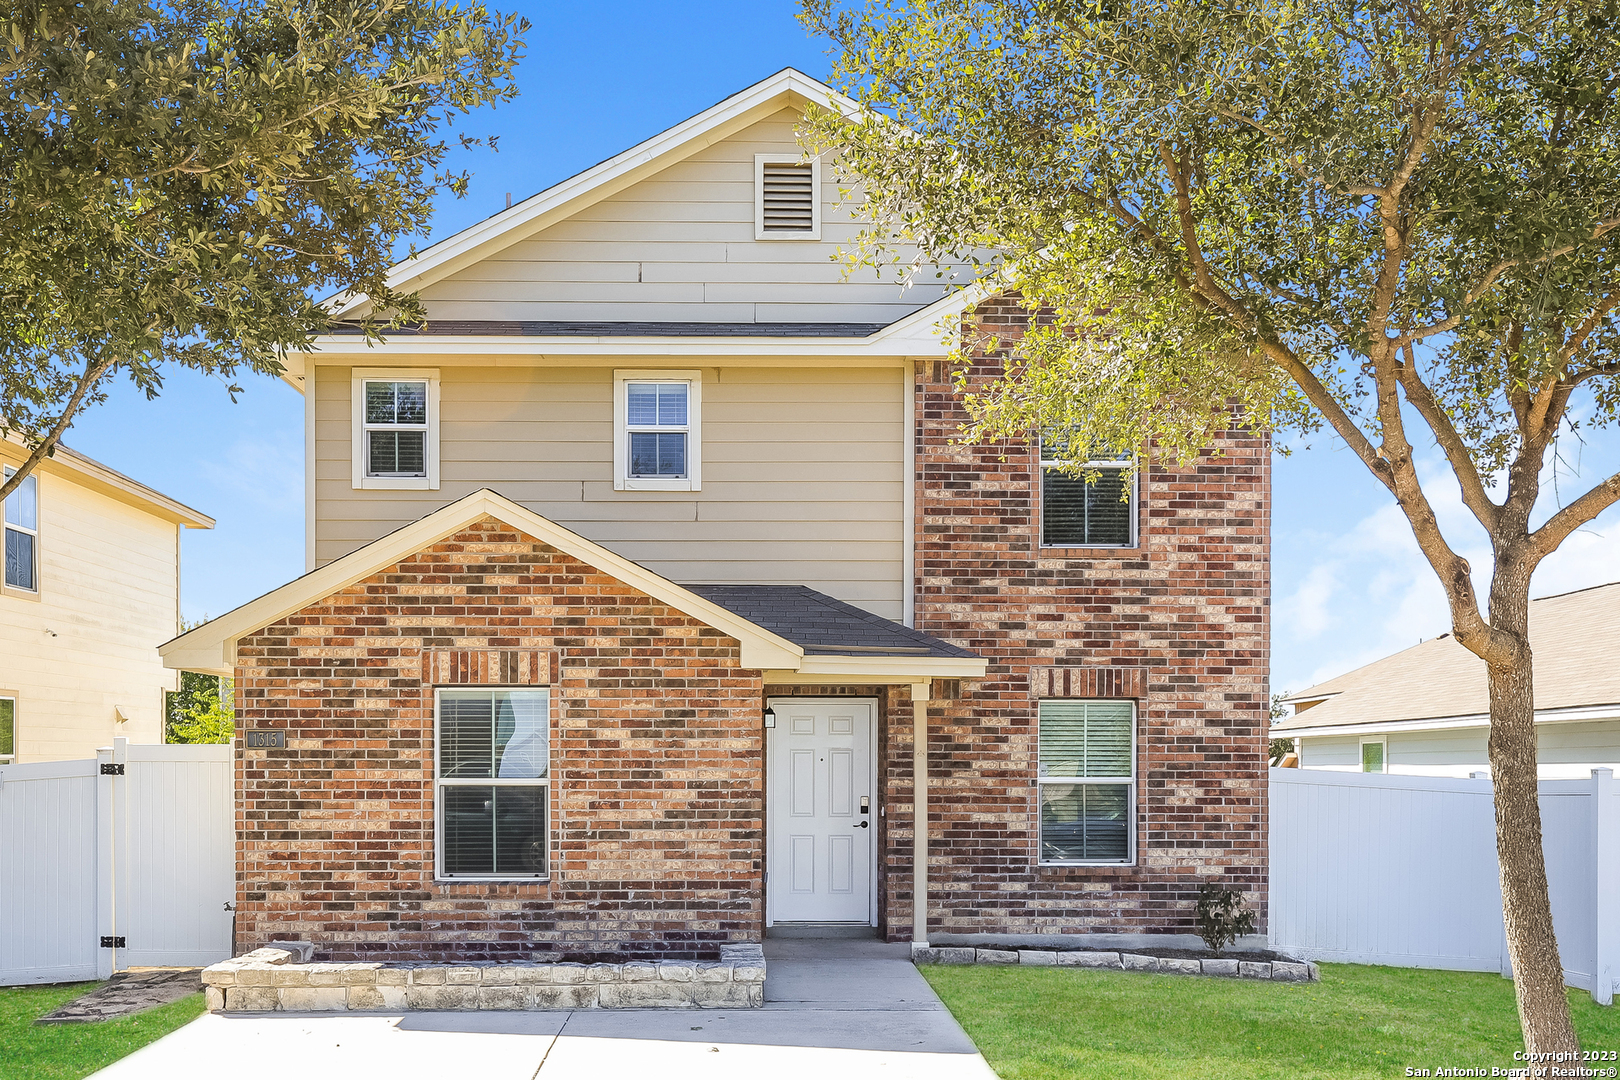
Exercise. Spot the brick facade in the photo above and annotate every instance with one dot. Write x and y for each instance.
(657, 793)
(1180, 624)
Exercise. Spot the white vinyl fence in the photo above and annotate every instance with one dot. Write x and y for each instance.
(124, 861)
(1402, 870)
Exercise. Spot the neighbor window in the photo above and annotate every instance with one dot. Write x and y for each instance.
(786, 206)
(1077, 512)
(657, 445)
(8, 730)
(396, 429)
(22, 533)
(1372, 755)
(493, 783)
(1087, 781)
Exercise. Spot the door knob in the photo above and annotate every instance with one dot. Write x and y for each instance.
(860, 825)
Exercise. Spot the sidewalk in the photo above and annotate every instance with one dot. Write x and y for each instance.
(834, 1010)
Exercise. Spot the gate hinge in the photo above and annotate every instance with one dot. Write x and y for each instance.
(112, 942)
(112, 768)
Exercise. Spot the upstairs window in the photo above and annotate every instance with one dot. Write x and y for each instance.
(656, 444)
(1087, 781)
(396, 429)
(786, 206)
(22, 533)
(1077, 512)
(494, 783)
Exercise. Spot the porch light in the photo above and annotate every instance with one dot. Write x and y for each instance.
(770, 717)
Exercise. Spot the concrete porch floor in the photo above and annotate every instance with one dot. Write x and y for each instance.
(833, 1008)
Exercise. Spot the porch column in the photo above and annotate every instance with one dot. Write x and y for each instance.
(919, 815)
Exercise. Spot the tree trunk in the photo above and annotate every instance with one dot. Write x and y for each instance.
(1538, 976)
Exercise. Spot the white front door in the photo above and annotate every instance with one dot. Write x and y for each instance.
(821, 813)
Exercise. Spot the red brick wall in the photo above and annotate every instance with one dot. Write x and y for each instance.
(1182, 621)
(657, 788)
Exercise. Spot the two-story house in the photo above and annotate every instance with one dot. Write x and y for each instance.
(651, 605)
(91, 588)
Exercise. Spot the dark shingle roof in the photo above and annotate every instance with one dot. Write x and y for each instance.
(821, 625)
(536, 328)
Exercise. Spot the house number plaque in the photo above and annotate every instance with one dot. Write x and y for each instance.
(274, 739)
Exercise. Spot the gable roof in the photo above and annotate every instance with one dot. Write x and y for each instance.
(89, 473)
(787, 88)
(1575, 637)
(211, 647)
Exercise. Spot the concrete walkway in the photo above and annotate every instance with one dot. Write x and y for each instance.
(834, 1010)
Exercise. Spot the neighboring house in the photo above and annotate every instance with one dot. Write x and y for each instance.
(647, 579)
(1426, 711)
(91, 588)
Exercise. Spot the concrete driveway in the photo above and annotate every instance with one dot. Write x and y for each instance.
(834, 1010)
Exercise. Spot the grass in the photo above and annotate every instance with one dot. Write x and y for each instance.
(1358, 1022)
(69, 1051)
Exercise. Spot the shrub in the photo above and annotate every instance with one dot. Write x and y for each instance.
(1221, 918)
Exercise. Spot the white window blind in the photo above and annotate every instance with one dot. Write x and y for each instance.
(396, 422)
(1087, 781)
(657, 422)
(494, 773)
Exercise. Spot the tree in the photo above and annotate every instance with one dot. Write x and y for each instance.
(1386, 217)
(201, 711)
(178, 179)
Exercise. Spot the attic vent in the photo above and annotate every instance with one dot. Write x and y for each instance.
(786, 204)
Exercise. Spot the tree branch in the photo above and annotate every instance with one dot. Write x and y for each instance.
(92, 375)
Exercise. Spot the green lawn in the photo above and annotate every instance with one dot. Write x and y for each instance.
(1358, 1022)
(68, 1051)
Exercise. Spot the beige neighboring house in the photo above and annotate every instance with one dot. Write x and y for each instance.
(91, 588)
(1425, 711)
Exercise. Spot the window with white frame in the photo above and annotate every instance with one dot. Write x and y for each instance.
(396, 441)
(8, 730)
(1095, 507)
(1087, 781)
(493, 782)
(657, 445)
(786, 202)
(1373, 752)
(22, 533)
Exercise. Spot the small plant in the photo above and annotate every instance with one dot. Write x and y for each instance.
(1221, 918)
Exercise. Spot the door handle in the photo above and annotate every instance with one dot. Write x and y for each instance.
(861, 825)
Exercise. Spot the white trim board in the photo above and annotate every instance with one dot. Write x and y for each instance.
(1572, 715)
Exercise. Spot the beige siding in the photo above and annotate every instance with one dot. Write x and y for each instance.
(1564, 751)
(679, 246)
(109, 590)
(802, 473)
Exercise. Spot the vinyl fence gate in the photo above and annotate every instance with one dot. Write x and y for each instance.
(1401, 870)
(124, 861)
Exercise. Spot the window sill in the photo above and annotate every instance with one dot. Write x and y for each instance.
(648, 484)
(397, 483)
(17, 592)
(1068, 550)
(1085, 865)
(490, 879)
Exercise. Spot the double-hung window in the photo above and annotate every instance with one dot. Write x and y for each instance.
(8, 730)
(1095, 507)
(1087, 781)
(396, 429)
(22, 533)
(493, 783)
(656, 444)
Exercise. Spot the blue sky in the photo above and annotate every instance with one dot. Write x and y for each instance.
(1349, 584)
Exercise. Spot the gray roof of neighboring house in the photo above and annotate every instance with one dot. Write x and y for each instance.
(1575, 638)
(822, 625)
(537, 328)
